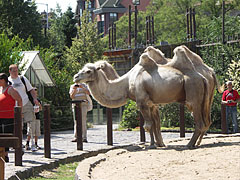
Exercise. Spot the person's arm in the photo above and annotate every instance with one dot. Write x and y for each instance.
(85, 89)
(223, 98)
(15, 95)
(73, 92)
(34, 95)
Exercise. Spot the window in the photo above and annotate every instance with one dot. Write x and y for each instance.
(136, 2)
(113, 17)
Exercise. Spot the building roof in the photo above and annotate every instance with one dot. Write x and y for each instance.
(107, 6)
(31, 59)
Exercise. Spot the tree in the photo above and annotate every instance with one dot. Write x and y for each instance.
(10, 50)
(86, 47)
(69, 26)
(19, 17)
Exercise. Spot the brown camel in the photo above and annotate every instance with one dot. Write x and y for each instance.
(149, 84)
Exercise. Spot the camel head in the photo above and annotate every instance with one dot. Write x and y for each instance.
(100, 64)
(86, 74)
(156, 54)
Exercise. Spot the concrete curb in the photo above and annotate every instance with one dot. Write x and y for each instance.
(53, 163)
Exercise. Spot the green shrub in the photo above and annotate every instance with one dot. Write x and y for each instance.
(130, 118)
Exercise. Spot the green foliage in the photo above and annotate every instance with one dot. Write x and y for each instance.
(20, 18)
(87, 47)
(130, 118)
(234, 74)
(10, 50)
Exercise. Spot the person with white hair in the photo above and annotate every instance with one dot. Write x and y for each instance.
(230, 98)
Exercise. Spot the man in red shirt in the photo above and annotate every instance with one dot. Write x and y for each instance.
(230, 97)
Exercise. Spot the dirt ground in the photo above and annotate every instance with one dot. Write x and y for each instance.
(218, 158)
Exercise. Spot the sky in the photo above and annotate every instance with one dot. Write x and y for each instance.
(53, 3)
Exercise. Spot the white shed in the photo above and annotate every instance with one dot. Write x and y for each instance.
(36, 71)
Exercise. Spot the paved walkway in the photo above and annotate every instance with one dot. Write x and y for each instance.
(65, 151)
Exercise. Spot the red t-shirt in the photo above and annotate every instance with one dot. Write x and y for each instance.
(230, 95)
(7, 104)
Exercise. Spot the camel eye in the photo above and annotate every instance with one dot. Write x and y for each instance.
(88, 72)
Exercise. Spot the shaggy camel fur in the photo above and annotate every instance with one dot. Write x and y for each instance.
(148, 86)
(200, 67)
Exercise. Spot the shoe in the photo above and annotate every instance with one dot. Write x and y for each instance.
(74, 140)
(27, 147)
(6, 159)
(38, 147)
(33, 148)
(85, 140)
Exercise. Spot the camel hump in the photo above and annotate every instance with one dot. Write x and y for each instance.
(147, 62)
(196, 59)
(181, 61)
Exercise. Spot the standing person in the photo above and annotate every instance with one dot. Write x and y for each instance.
(8, 98)
(34, 126)
(230, 97)
(17, 83)
(80, 92)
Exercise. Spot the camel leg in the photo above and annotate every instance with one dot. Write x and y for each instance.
(157, 126)
(197, 115)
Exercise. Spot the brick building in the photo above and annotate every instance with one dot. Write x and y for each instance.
(108, 11)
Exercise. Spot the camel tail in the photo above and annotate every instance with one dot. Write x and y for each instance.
(220, 88)
(206, 108)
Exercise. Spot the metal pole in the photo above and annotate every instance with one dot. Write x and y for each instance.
(109, 37)
(115, 36)
(188, 36)
(194, 25)
(109, 127)
(18, 133)
(47, 131)
(190, 23)
(112, 36)
(147, 31)
(135, 31)
(129, 27)
(223, 22)
(223, 119)
(47, 17)
(150, 29)
(153, 30)
(142, 131)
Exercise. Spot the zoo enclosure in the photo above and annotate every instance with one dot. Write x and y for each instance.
(124, 59)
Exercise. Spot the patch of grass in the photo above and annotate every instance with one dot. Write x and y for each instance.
(63, 172)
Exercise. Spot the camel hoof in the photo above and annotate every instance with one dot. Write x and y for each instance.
(151, 147)
(161, 145)
(189, 146)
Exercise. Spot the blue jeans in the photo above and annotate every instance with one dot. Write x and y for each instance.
(232, 110)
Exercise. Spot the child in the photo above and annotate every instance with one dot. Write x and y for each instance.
(34, 127)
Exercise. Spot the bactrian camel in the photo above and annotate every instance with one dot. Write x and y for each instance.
(200, 67)
(149, 84)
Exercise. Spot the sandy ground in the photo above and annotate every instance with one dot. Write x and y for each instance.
(218, 158)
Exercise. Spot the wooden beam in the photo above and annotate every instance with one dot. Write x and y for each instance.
(9, 142)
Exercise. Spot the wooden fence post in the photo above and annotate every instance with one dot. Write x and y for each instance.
(2, 168)
(47, 131)
(182, 123)
(2, 163)
(78, 115)
(109, 127)
(18, 133)
(223, 119)
(142, 131)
